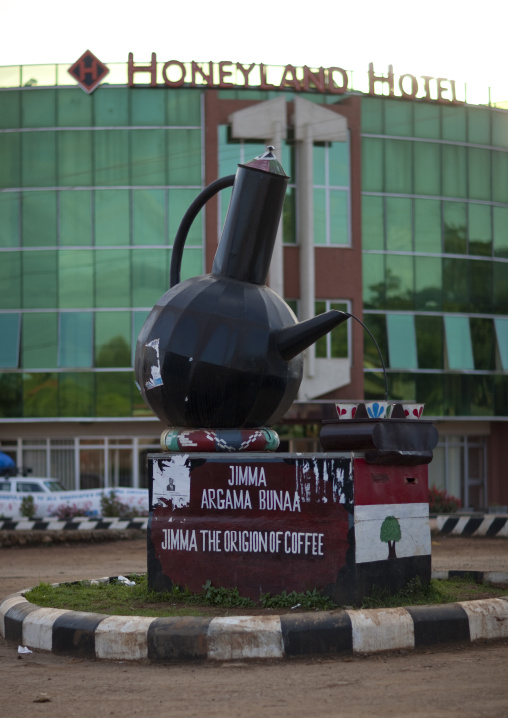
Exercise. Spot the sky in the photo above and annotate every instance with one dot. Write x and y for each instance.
(462, 41)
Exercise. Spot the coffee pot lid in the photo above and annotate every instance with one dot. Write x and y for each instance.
(267, 162)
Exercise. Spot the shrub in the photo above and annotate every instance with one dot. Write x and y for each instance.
(442, 503)
(27, 507)
(112, 506)
(66, 511)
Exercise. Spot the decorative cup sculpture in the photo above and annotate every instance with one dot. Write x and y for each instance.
(223, 350)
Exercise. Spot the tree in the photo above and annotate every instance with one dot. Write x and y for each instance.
(390, 533)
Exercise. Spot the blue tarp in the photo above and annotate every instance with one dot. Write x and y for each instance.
(6, 462)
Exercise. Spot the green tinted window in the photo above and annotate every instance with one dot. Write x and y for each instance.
(401, 341)
(372, 115)
(148, 157)
(150, 276)
(111, 107)
(399, 224)
(478, 126)
(40, 280)
(10, 165)
(9, 219)
(499, 175)
(373, 270)
(377, 326)
(500, 231)
(112, 226)
(456, 285)
(427, 225)
(39, 219)
(500, 288)
(75, 278)
(484, 343)
(319, 216)
(74, 108)
(319, 164)
(500, 395)
(481, 286)
(333, 345)
(428, 284)
(10, 109)
(40, 395)
(454, 123)
(75, 339)
(192, 263)
(399, 282)
(112, 278)
(402, 387)
(338, 215)
(112, 339)
(480, 229)
(138, 319)
(114, 394)
(10, 280)
(178, 203)
(372, 222)
(38, 159)
(40, 340)
(458, 343)
(455, 235)
(75, 218)
(481, 391)
(372, 165)
(454, 171)
(501, 324)
(147, 107)
(398, 118)
(429, 341)
(499, 129)
(399, 166)
(76, 394)
(427, 120)
(229, 153)
(148, 216)
(74, 158)
(428, 168)
(38, 108)
(9, 346)
(12, 395)
(289, 217)
(479, 173)
(111, 157)
(184, 157)
(183, 107)
(338, 164)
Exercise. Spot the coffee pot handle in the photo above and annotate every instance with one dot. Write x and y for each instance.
(188, 218)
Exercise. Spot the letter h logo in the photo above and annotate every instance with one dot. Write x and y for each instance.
(89, 71)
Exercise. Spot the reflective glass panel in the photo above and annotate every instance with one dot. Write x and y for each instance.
(500, 232)
(9, 344)
(399, 224)
(75, 278)
(455, 222)
(9, 219)
(75, 339)
(500, 288)
(112, 278)
(39, 340)
(481, 393)
(428, 284)
(339, 216)
(10, 175)
(338, 164)
(479, 173)
(377, 326)
(456, 285)
(112, 339)
(319, 216)
(429, 341)
(74, 108)
(38, 159)
(112, 224)
(429, 390)
(501, 324)
(401, 341)
(10, 109)
(38, 108)
(147, 106)
(178, 203)
(427, 225)
(150, 275)
(192, 263)
(398, 118)
(319, 164)
(40, 279)
(402, 386)
(454, 171)
(184, 157)
(499, 129)
(40, 395)
(399, 166)
(10, 280)
(39, 219)
(372, 222)
(11, 392)
(484, 343)
(373, 270)
(480, 229)
(138, 319)
(478, 126)
(372, 115)
(75, 218)
(399, 282)
(111, 107)
(458, 343)
(114, 393)
(499, 175)
(289, 217)
(454, 123)
(500, 395)
(111, 157)
(427, 120)
(76, 393)
(481, 286)
(427, 168)
(183, 107)
(148, 216)
(372, 165)
(148, 157)
(74, 158)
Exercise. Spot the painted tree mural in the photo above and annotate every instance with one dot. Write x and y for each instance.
(390, 533)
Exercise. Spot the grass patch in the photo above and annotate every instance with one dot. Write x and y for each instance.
(116, 598)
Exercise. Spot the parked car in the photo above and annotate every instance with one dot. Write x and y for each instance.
(30, 485)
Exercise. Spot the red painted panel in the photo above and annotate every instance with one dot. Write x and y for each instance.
(378, 484)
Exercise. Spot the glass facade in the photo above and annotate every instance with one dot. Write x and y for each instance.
(434, 239)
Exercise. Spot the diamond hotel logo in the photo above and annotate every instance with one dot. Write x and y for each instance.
(89, 71)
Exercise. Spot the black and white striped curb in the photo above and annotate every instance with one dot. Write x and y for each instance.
(327, 633)
(77, 524)
(483, 525)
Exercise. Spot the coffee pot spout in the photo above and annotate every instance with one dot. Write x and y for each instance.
(293, 340)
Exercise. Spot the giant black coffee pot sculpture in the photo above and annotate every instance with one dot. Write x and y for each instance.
(223, 350)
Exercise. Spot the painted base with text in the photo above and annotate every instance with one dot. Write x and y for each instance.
(287, 522)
